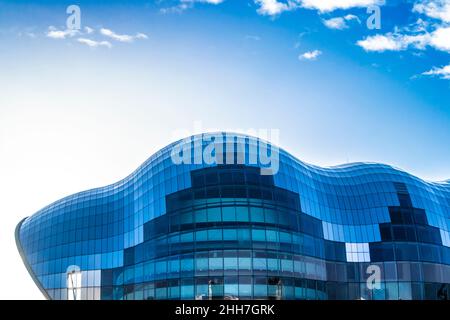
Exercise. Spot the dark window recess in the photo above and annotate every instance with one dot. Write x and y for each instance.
(198, 181)
(128, 256)
(211, 178)
(211, 193)
(310, 225)
(334, 250)
(381, 252)
(401, 215)
(430, 253)
(420, 217)
(404, 233)
(156, 227)
(403, 195)
(107, 277)
(406, 252)
(231, 181)
(238, 177)
(405, 200)
(385, 231)
(106, 292)
(225, 178)
(429, 234)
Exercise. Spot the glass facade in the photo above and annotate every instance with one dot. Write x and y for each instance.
(194, 230)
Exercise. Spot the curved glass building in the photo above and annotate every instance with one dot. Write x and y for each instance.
(227, 216)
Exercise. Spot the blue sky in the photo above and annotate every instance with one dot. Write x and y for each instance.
(336, 90)
(82, 109)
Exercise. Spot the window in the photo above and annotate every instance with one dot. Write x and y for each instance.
(230, 263)
(73, 283)
(215, 263)
(245, 263)
(381, 252)
(257, 214)
(187, 264)
(392, 291)
(273, 264)
(271, 216)
(242, 214)
(229, 234)
(243, 234)
(357, 252)
(201, 235)
(214, 215)
(430, 253)
(259, 264)
(200, 216)
(161, 267)
(404, 233)
(229, 214)
(259, 235)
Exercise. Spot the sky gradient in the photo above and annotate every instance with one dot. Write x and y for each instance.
(82, 109)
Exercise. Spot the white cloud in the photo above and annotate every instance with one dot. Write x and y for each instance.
(437, 9)
(335, 23)
(339, 23)
(438, 39)
(443, 72)
(275, 7)
(60, 34)
(122, 37)
(310, 55)
(331, 5)
(93, 43)
(381, 43)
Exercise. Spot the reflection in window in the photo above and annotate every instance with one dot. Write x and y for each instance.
(73, 283)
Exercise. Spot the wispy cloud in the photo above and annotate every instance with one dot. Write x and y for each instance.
(442, 72)
(183, 5)
(340, 23)
(94, 44)
(310, 55)
(122, 37)
(27, 34)
(203, 1)
(54, 33)
(179, 8)
(84, 36)
(252, 37)
(88, 30)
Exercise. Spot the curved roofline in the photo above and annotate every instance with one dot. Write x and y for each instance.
(332, 168)
(25, 262)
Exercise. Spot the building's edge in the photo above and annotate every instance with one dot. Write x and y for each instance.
(25, 262)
